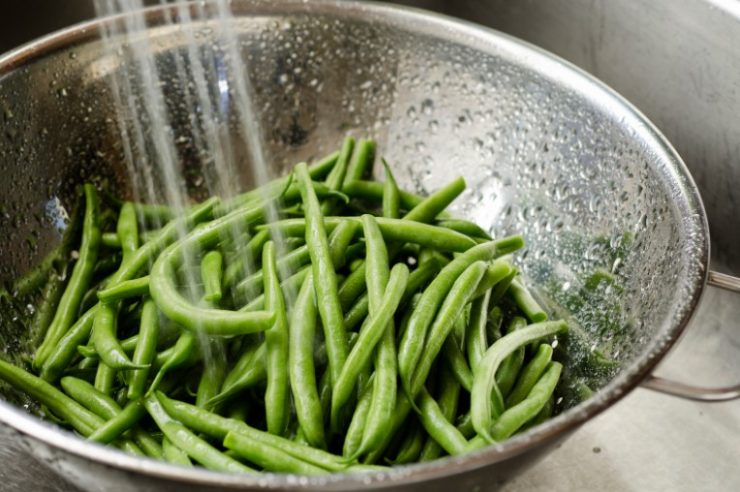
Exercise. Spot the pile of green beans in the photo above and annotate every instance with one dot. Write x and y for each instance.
(367, 327)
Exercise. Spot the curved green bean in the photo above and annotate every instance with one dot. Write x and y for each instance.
(486, 402)
(214, 322)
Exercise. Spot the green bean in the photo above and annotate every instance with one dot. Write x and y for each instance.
(335, 179)
(292, 193)
(448, 401)
(253, 249)
(301, 365)
(175, 455)
(249, 370)
(391, 194)
(356, 430)
(211, 271)
(426, 208)
(495, 320)
(486, 402)
(214, 373)
(218, 427)
(104, 378)
(50, 297)
(524, 301)
(530, 375)
(351, 288)
(152, 448)
(543, 414)
(89, 397)
(277, 187)
(79, 280)
(110, 240)
(339, 241)
(465, 425)
(276, 343)
(386, 372)
(214, 322)
(451, 309)
(104, 338)
(65, 350)
(516, 416)
(362, 158)
(269, 457)
(181, 352)
(412, 343)
(370, 334)
(125, 290)
(500, 289)
(411, 446)
(167, 234)
(131, 448)
(496, 271)
(186, 440)
(397, 230)
(373, 190)
(288, 264)
(290, 284)
(64, 407)
(476, 339)
(114, 427)
(152, 213)
(107, 408)
(510, 367)
(457, 363)
(146, 347)
(470, 229)
(433, 205)
(127, 230)
(437, 425)
(324, 276)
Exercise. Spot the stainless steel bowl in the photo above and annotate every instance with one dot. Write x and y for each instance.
(545, 149)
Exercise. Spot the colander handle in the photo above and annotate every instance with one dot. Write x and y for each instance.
(698, 393)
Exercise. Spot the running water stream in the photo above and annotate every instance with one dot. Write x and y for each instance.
(212, 80)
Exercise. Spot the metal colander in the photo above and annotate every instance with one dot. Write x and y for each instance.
(617, 238)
